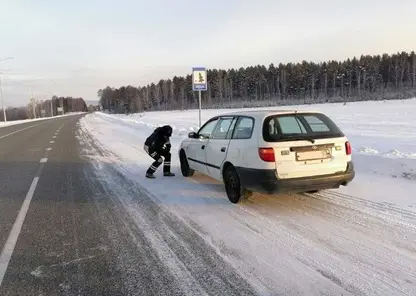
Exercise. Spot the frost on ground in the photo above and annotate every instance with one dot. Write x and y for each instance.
(357, 240)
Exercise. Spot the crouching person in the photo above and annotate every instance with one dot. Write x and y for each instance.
(157, 145)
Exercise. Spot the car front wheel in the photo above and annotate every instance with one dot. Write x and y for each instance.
(185, 169)
(235, 192)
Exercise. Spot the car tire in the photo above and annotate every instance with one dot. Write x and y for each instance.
(235, 192)
(185, 169)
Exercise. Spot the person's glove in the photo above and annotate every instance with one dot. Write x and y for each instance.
(167, 145)
(166, 148)
(146, 148)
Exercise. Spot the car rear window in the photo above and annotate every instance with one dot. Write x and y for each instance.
(285, 127)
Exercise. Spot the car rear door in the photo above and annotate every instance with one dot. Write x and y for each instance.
(217, 146)
(306, 145)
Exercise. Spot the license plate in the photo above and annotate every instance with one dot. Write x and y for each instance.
(313, 155)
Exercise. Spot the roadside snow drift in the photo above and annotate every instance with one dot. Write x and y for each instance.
(14, 122)
(357, 240)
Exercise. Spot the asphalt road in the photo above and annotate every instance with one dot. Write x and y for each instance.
(64, 232)
(57, 235)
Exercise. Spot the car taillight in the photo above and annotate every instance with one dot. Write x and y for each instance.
(267, 154)
(348, 148)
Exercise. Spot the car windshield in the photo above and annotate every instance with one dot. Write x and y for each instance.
(299, 126)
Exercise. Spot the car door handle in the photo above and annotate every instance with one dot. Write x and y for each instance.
(222, 149)
(203, 147)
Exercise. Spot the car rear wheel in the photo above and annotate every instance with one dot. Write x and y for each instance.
(235, 192)
(185, 169)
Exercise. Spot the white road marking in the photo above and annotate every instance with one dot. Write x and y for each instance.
(54, 137)
(51, 142)
(19, 130)
(8, 249)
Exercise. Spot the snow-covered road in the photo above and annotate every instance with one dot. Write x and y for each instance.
(359, 240)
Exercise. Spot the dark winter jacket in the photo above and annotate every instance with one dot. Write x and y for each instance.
(159, 138)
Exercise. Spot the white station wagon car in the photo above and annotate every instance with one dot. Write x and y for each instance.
(269, 152)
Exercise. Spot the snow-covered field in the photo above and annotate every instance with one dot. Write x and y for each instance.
(357, 240)
(14, 122)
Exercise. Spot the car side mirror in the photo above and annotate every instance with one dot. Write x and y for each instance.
(192, 135)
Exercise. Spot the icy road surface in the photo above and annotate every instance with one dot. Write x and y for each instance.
(359, 240)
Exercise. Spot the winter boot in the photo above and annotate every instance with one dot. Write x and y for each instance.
(168, 174)
(150, 176)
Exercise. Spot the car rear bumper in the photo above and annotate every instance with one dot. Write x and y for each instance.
(266, 181)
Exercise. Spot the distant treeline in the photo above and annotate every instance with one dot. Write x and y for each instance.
(377, 77)
(36, 109)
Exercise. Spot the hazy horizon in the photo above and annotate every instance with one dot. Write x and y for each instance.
(76, 48)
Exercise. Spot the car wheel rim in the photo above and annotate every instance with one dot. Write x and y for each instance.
(233, 182)
(183, 164)
(232, 186)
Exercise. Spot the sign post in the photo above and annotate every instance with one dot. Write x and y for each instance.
(199, 83)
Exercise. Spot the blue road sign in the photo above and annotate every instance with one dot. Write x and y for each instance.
(199, 79)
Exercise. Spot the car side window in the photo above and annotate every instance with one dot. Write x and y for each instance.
(291, 125)
(206, 131)
(222, 128)
(230, 131)
(244, 128)
(316, 124)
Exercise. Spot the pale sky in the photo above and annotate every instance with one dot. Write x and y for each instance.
(77, 47)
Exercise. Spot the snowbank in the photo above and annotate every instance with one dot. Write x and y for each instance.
(14, 122)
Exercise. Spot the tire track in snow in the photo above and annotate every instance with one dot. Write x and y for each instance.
(367, 224)
(279, 279)
(178, 252)
(373, 255)
(359, 253)
(384, 208)
(311, 241)
(294, 245)
(302, 241)
(385, 223)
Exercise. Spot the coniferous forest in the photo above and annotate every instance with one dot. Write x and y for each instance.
(376, 77)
